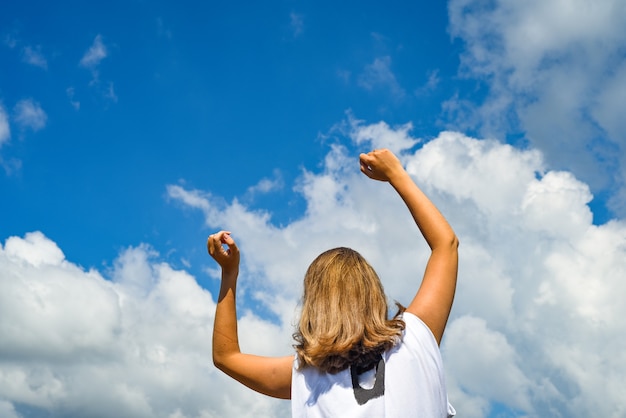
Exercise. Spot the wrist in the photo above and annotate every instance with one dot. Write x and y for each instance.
(398, 177)
(230, 272)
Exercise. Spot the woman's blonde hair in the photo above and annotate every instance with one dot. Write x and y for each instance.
(344, 320)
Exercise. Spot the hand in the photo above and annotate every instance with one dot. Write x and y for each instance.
(380, 164)
(228, 259)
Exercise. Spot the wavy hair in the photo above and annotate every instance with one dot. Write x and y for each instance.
(344, 320)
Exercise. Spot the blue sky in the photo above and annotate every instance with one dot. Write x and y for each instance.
(129, 131)
(180, 88)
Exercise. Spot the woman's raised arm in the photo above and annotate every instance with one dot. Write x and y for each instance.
(268, 375)
(433, 301)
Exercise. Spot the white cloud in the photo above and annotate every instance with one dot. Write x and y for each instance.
(34, 248)
(378, 74)
(267, 185)
(430, 85)
(10, 40)
(135, 345)
(71, 92)
(296, 22)
(7, 410)
(95, 54)
(538, 324)
(484, 362)
(110, 93)
(380, 135)
(194, 199)
(28, 113)
(10, 166)
(558, 204)
(554, 71)
(538, 318)
(33, 56)
(5, 130)
(162, 29)
(91, 60)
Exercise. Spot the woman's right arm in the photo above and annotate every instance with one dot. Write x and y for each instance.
(268, 375)
(433, 301)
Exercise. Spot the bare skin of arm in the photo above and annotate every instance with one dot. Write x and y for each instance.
(433, 301)
(268, 375)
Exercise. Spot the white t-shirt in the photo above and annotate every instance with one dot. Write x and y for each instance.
(414, 383)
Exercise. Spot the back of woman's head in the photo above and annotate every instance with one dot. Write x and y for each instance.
(344, 314)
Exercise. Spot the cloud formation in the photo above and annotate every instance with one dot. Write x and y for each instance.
(538, 324)
(296, 23)
(34, 56)
(378, 75)
(28, 113)
(5, 130)
(267, 185)
(95, 54)
(92, 60)
(71, 93)
(555, 71)
(137, 344)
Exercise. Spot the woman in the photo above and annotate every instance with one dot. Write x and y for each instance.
(351, 361)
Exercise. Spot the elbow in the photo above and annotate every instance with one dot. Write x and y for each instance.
(448, 243)
(444, 240)
(454, 242)
(220, 362)
(224, 362)
(217, 363)
(222, 366)
(224, 353)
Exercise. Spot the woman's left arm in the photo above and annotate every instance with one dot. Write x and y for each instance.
(268, 375)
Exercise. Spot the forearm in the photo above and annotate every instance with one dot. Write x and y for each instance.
(225, 337)
(436, 230)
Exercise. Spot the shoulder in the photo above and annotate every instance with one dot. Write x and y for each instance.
(416, 325)
(417, 336)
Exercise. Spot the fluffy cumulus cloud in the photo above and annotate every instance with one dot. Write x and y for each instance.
(556, 71)
(135, 344)
(537, 329)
